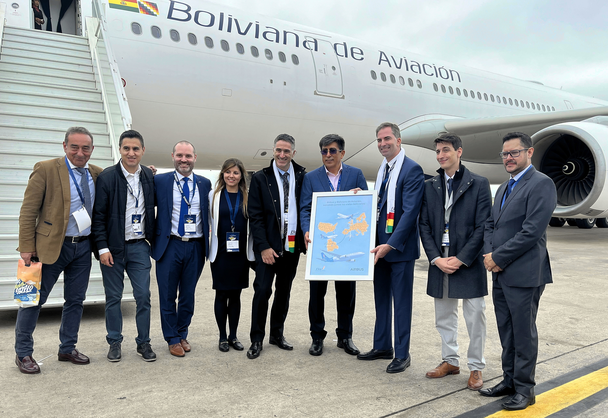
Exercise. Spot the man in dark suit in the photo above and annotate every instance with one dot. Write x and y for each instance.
(400, 185)
(330, 177)
(54, 228)
(181, 243)
(123, 222)
(455, 207)
(274, 202)
(516, 254)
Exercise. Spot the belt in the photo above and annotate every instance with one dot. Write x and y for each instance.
(133, 241)
(186, 239)
(75, 240)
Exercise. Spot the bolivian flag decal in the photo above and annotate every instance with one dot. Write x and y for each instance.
(138, 6)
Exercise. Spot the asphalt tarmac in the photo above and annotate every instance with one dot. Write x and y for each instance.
(208, 383)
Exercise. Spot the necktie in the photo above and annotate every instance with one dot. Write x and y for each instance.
(383, 187)
(84, 187)
(184, 207)
(508, 191)
(285, 178)
(450, 183)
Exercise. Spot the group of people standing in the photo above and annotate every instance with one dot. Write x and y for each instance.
(71, 209)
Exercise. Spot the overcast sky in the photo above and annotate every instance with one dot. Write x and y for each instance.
(561, 43)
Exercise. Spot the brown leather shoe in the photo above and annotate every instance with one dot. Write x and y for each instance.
(185, 345)
(475, 380)
(75, 357)
(28, 365)
(443, 370)
(177, 350)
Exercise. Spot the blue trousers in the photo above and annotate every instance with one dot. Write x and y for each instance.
(177, 274)
(393, 285)
(137, 263)
(75, 263)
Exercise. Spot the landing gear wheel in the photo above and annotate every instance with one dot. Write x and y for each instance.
(557, 222)
(585, 223)
(601, 222)
(571, 222)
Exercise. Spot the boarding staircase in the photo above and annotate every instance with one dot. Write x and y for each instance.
(49, 82)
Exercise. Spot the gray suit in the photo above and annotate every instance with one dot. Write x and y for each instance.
(516, 237)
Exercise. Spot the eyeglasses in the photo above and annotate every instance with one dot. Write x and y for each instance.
(332, 151)
(515, 153)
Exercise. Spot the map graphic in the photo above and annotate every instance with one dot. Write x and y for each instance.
(340, 231)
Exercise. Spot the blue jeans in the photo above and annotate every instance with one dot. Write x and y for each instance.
(75, 263)
(137, 263)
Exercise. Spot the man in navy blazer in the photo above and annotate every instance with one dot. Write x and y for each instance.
(400, 185)
(181, 243)
(516, 254)
(330, 177)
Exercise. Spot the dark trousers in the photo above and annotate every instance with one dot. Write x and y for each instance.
(393, 284)
(177, 274)
(345, 305)
(516, 309)
(136, 262)
(227, 306)
(75, 263)
(284, 269)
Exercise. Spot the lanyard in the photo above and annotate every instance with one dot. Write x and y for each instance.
(236, 207)
(331, 186)
(130, 189)
(75, 182)
(181, 190)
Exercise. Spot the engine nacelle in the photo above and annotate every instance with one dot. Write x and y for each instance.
(575, 155)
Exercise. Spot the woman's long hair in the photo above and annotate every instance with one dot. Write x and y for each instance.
(221, 183)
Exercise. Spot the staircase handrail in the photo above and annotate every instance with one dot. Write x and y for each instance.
(2, 21)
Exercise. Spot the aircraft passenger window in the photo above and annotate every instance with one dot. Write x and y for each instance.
(410, 82)
(208, 42)
(240, 48)
(443, 88)
(543, 108)
(174, 35)
(498, 99)
(374, 76)
(516, 102)
(419, 84)
(528, 105)
(255, 52)
(533, 107)
(451, 90)
(510, 101)
(225, 46)
(136, 28)
(156, 32)
(458, 91)
(485, 96)
(393, 79)
(192, 39)
(472, 94)
(537, 106)
(552, 108)
(268, 54)
(282, 57)
(435, 87)
(466, 93)
(402, 80)
(492, 98)
(504, 99)
(295, 59)
(479, 95)
(383, 76)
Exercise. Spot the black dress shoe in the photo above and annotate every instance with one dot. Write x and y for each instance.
(76, 357)
(114, 353)
(500, 389)
(316, 348)
(236, 344)
(28, 365)
(223, 346)
(398, 365)
(280, 342)
(255, 350)
(519, 402)
(348, 346)
(376, 355)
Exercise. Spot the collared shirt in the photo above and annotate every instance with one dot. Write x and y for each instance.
(334, 178)
(135, 184)
(76, 203)
(519, 175)
(195, 206)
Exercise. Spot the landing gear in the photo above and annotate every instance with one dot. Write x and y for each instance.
(601, 222)
(557, 222)
(585, 223)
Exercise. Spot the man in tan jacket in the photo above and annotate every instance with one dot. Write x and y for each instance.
(54, 228)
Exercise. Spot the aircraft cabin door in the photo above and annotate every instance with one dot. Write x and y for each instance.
(568, 105)
(327, 69)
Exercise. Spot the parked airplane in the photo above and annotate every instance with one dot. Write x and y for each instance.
(331, 257)
(323, 236)
(341, 216)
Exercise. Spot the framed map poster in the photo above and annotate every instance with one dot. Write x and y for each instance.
(343, 232)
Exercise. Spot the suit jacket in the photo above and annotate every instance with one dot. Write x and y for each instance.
(408, 199)
(516, 235)
(264, 210)
(163, 186)
(317, 181)
(45, 211)
(471, 205)
(108, 226)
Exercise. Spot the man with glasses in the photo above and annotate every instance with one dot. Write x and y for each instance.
(332, 176)
(273, 208)
(516, 254)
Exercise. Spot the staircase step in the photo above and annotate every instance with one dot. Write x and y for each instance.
(49, 122)
(49, 80)
(9, 243)
(47, 71)
(32, 86)
(51, 111)
(32, 152)
(43, 56)
(55, 65)
(46, 100)
(44, 134)
(12, 188)
(10, 205)
(34, 33)
(45, 42)
(9, 224)
(58, 52)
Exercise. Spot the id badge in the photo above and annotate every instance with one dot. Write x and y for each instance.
(190, 224)
(445, 239)
(136, 224)
(83, 220)
(232, 242)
